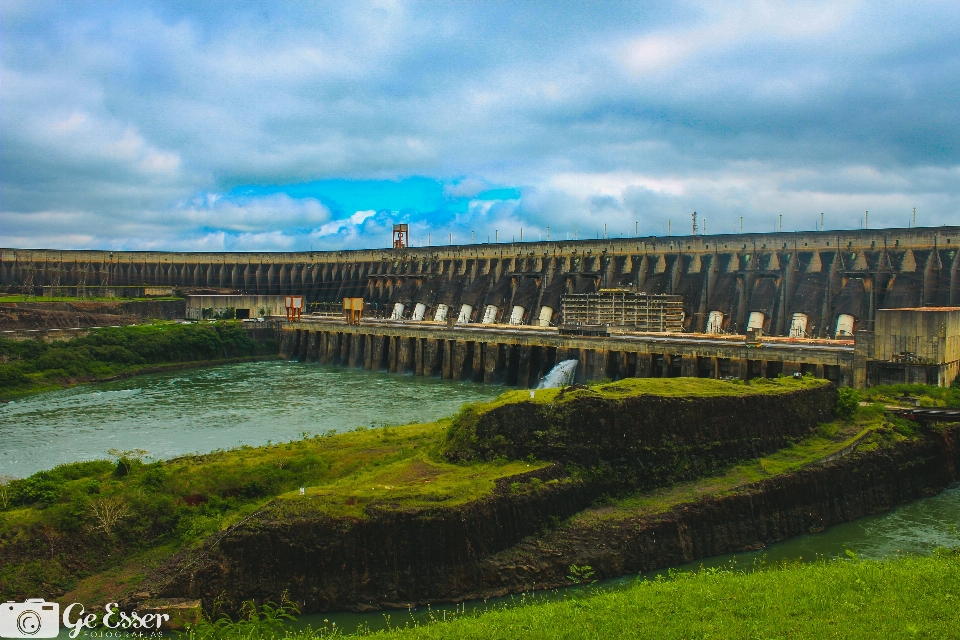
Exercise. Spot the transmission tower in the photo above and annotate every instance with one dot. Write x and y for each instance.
(81, 281)
(56, 281)
(104, 279)
(27, 271)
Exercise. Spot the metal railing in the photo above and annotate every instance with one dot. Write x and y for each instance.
(641, 311)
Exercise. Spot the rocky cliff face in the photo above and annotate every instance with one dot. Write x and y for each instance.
(393, 556)
(768, 511)
(650, 439)
(500, 544)
(390, 558)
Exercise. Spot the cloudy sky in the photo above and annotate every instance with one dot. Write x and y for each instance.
(290, 126)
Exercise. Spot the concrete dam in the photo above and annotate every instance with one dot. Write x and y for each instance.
(816, 290)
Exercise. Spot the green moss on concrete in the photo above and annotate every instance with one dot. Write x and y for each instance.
(653, 422)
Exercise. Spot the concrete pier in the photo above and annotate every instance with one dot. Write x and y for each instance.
(520, 356)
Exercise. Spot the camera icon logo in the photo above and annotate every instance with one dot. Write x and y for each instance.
(33, 618)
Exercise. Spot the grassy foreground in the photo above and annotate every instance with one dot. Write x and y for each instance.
(911, 597)
(29, 366)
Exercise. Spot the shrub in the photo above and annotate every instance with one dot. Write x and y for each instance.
(154, 476)
(904, 427)
(580, 574)
(78, 470)
(11, 376)
(848, 400)
(254, 489)
(828, 430)
(39, 489)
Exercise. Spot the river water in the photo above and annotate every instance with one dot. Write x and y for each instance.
(200, 410)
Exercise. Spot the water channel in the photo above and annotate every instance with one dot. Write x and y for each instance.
(200, 410)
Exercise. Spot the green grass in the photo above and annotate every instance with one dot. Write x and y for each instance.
(929, 396)
(29, 366)
(667, 387)
(910, 597)
(418, 482)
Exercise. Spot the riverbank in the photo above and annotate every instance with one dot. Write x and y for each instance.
(177, 503)
(66, 383)
(421, 528)
(111, 353)
(390, 551)
(406, 521)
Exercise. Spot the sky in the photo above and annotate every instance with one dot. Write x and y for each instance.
(317, 125)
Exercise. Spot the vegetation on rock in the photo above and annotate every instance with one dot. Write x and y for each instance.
(35, 365)
(95, 530)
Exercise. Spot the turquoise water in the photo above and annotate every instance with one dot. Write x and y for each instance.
(200, 410)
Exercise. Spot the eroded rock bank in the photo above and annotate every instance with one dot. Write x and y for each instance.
(394, 556)
(768, 511)
(653, 438)
(515, 541)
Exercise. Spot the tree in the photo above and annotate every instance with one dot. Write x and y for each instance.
(126, 458)
(108, 512)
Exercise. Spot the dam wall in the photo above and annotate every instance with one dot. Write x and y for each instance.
(810, 284)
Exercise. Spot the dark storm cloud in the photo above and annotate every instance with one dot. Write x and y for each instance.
(133, 126)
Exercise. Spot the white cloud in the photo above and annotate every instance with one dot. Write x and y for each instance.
(355, 220)
(133, 125)
(466, 188)
(725, 25)
(252, 215)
